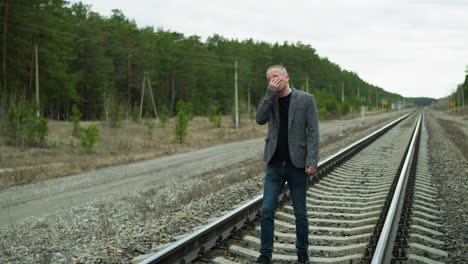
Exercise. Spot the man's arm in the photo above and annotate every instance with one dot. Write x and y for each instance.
(312, 135)
(263, 111)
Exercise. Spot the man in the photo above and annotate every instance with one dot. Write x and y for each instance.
(291, 151)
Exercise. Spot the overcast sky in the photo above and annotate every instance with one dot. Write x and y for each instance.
(411, 47)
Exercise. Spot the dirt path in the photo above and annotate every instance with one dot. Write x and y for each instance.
(48, 197)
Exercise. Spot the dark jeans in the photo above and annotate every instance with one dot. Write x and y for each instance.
(277, 173)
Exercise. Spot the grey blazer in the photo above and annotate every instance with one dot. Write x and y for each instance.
(303, 128)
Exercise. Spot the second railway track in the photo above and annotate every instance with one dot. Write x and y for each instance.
(346, 200)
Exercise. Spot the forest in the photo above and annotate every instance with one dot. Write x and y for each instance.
(62, 55)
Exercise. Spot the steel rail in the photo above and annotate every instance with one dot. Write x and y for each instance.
(385, 244)
(211, 236)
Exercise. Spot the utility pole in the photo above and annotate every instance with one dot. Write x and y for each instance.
(307, 83)
(368, 97)
(151, 94)
(142, 95)
(146, 79)
(342, 92)
(362, 100)
(376, 100)
(235, 95)
(248, 99)
(463, 97)
(4, 45)
(106, 109)
(37, 74)
(173, 91)
(452, 103)
(451, 100)
(129, 82)
(31, 71)
(460, 96)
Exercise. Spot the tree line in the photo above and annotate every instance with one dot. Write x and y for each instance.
(459, 97)
(85, 59)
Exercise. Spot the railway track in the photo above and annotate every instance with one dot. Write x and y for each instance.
(354, 202)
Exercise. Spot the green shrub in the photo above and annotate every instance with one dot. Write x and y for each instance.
(355, 104)
(150, 125)
(15, 127)
(322, 113)
(344, 109)
(327, 101)
(76, 118)
(36, 130)
(25, 128)
(188, 108)
(117, 111)
(136, 113)
(89, 137)
(163, 116)
(252, 113)
(181, 121)
(215, 115)
(331, 104)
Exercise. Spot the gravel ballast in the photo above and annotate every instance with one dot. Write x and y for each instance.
(120, 228)
(450, 172)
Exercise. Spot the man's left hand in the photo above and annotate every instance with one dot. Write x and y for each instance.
(310, 170)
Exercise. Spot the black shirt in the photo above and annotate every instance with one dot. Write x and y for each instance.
(282, 148)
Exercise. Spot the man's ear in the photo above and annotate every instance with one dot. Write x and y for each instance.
(286, 77)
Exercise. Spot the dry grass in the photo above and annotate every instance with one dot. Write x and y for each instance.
(456, 135)
(458, 111)
(130, 142)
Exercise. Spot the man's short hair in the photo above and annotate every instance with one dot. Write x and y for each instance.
(277, 66)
